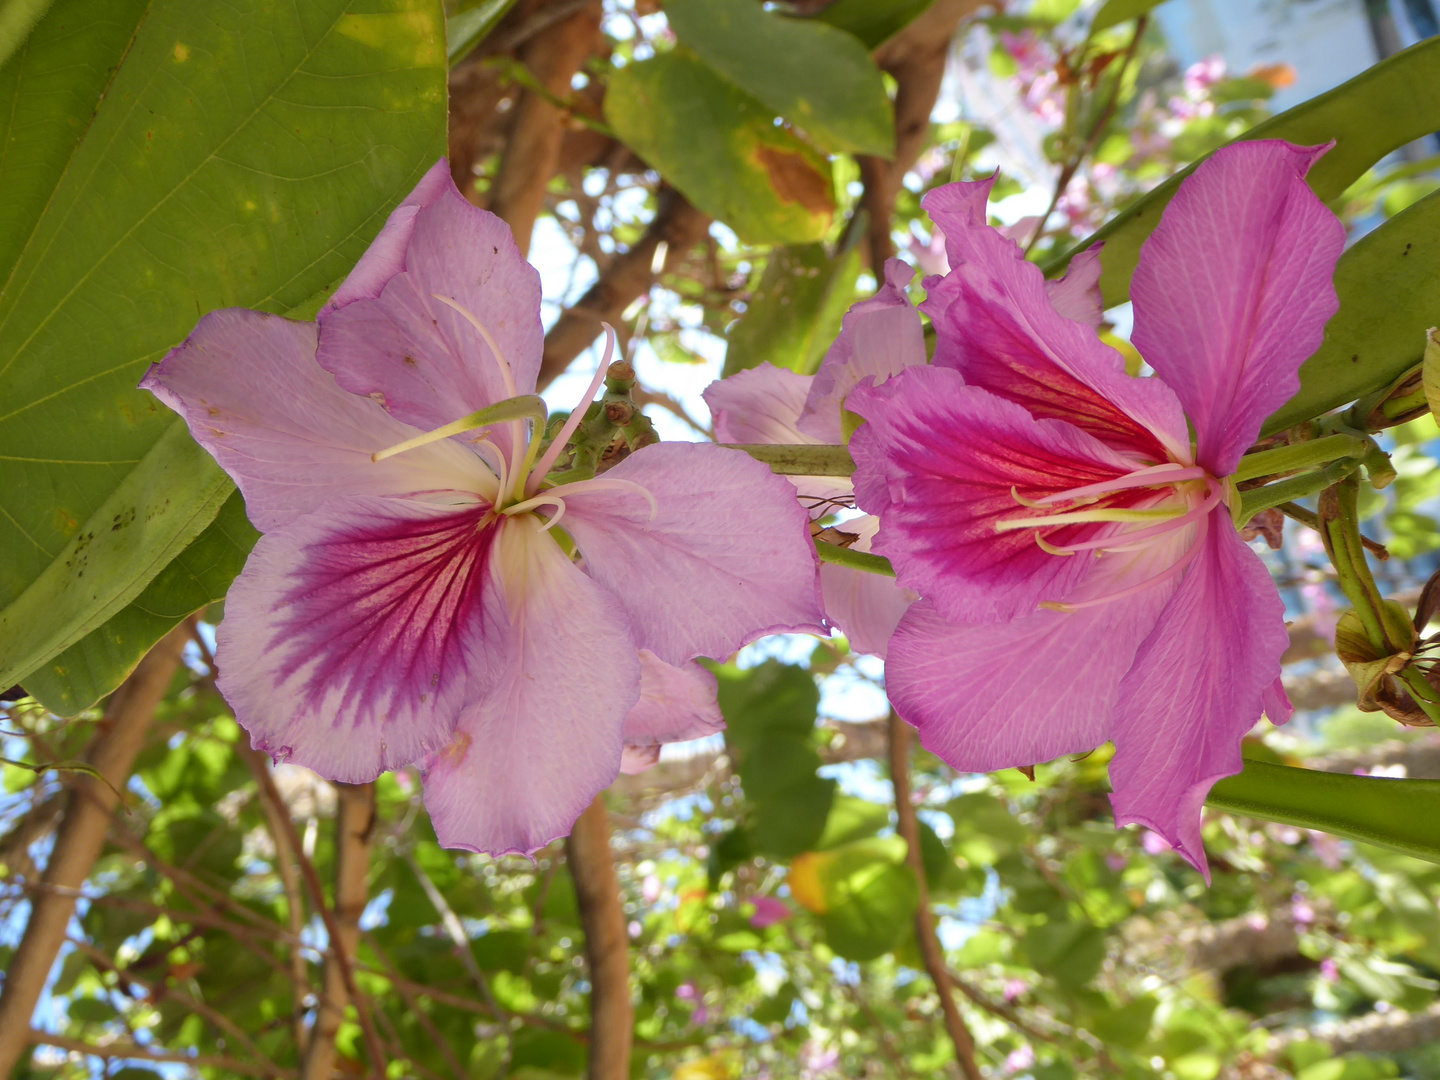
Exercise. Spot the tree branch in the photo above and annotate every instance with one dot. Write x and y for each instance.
(908, 825)
(129, 1051)
(678, 226)
(607, 946)
(916, 58)
(354, 822)
(554, 56)
(81, 837)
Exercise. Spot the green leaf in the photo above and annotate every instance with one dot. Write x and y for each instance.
(1115, 12)
(157, 168)
(17, 19)
(1389, 287)
(873, 21)
(722, 149)
(1397, 814)
(819, 78)
(468, 28)
(1069, 952)
(165, 502)
(795, 313)
(852, 819)
(99, 662)
(1378, 111)
(870, 898)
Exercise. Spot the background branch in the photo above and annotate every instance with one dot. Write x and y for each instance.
(607, 947)
(81, 837)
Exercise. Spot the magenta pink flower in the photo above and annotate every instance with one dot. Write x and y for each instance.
(409, 600)
(769, 910)
(1082, 578)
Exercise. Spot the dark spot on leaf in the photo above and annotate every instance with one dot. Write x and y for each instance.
(795, 179)
(1354, 358)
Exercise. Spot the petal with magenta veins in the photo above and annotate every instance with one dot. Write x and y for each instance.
(721, 557)
(1234, 288)
(759, 405)
(248, 386)
(1199, 683)
(543, 738)
(864, 607)
(941, 462)
(416, 354)
(880, 336)
(987, 697)
(1077, 294)
(353, 638)
(996, 324)
(385, 257)
(677, 703)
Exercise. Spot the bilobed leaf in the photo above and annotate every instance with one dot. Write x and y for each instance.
(796, 310)
(1378, 111)
(202, 156)
(1391, 813)
(721, 147)
(1115, 12)
(1389, 287)
(818, 77)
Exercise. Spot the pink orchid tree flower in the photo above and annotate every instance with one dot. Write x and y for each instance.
(879, 337)
(1082, 579)
(410, 599)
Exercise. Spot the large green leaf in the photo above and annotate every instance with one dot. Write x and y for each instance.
(819, 78)
(1403, 815)
(1389, 286)
(721, 148)
(795, 312)
(1115, 12)
(162, 160)
(100, 661)
(872, 21)
(1378, 111)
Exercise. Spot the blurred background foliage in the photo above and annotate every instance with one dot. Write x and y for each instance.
(720, 180)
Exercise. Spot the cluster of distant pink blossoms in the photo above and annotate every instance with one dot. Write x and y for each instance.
(1067, 570)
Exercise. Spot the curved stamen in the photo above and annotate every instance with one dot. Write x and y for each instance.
(506, 374)
(1154, 476)
(603, 483)
(548, 499)
(500, 465)
(1082, 517)
(510, 409)
(541, 467)
(1201, 533)
(1130, 541)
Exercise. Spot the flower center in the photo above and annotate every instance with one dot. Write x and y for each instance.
(519, 475)
(1197, 493)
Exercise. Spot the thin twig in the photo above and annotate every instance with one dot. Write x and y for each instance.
(607, 945)
(1101, 122)
(81, 837)
(908, 826)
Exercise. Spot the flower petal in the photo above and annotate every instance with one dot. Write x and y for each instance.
(760, 405)
(726, 559)
(1234, 288)
(677, 703)
(1076, 295)
(987, 697)
(418, 356)
(997, 325)
(353, 638)
(385, 257)
(544, 737)
(248, 385)
(880, 336)
(1197, 687)
(939, 461)
(864, 607)
(955, 209)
